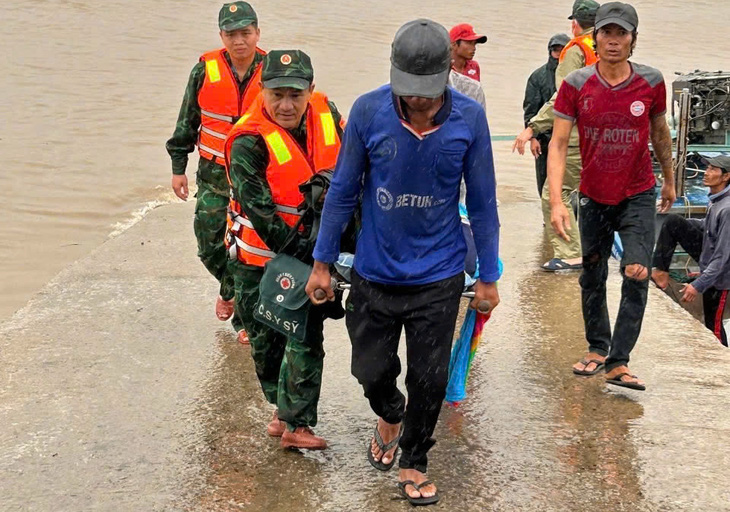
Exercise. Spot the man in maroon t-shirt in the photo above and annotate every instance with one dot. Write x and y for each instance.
(464, 43)
(618, 106)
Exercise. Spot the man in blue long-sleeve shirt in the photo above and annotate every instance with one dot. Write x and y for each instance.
(405, 150)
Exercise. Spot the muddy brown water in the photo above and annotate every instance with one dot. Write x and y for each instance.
(114, 397)
(90, 92)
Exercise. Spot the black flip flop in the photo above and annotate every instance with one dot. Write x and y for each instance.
(384, 447)
(616, 381)
(586, 362)
(420, 501)
(558, 265)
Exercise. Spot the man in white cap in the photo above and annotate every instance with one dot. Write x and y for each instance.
(406, 148)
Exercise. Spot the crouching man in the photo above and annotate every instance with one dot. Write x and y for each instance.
(708, 242)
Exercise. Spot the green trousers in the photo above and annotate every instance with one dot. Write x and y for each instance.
(571, 181)
(290, 371)
(209, 225)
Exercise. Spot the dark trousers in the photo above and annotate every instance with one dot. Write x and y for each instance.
(633, 218)
(541, 164)
(688, 233)
(376, 315)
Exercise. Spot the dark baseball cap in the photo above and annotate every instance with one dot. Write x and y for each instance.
(558, 40)
(235, 16)
(287, 68)
(584, 10)
(623, 15)
(420, 59)
(722, 161)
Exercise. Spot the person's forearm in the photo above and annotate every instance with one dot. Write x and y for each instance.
(185, 135)
(542, 122)
(661, 140)
(557, 156)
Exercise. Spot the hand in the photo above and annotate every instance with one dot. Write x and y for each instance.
(485, 291)
(560, 220)
(180, 186)
(320, 279)
(668, 196)
(689, 293)
(535, 147)
(522, 139)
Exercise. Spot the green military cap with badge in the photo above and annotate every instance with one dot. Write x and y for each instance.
(584, 11)
(287, 68)
(235, 16)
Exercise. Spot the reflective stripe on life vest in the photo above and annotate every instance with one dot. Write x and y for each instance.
(289, 166)
(222, 103)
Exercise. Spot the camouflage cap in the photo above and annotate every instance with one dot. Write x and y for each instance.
(235, 16)
(584, 11)
(287, 68)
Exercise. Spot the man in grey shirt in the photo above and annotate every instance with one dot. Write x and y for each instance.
(708, 242)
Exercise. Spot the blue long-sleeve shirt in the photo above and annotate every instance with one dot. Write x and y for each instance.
(411, 230)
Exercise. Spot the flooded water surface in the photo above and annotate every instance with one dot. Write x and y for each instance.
(120, 391)
(90, 92)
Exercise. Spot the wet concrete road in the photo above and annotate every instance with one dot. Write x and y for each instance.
(120, 391)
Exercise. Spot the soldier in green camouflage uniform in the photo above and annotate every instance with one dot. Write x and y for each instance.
(290, 371)
(212, 198)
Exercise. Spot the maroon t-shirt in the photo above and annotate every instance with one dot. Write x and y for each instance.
(613, 124)
(472, 70)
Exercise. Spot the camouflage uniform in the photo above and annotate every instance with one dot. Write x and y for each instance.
(585, 12)
(290, 371)
(211, 205)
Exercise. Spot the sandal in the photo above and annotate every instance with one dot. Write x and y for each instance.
(421, 500)
(384, 447)
(558, 265)
(585, 362)
(616, 381)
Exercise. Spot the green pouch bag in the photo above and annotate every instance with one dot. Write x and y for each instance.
(283, 304)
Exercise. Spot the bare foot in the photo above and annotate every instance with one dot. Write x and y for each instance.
(417, 477)
(590, 366)
(660, 278)
(388, 432)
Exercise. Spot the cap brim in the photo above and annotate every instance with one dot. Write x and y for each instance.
(616, 21)
(291, 82)
(476, 37)
(423, 86)
(718, 162)
(238, 25)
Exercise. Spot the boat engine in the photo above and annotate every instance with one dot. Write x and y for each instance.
(709, 112)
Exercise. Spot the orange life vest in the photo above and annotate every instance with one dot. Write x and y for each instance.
(222, 103)
(289, 166)
(585, 42)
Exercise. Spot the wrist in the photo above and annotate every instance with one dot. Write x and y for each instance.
(320, 267)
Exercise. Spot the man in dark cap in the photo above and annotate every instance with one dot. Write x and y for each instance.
(220, 89)
(576, 54)
(289, 133)
(708, 242)
(540, 88)
(406, 148)
(618, 106)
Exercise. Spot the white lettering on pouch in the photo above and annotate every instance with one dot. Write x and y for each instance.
(271, 317)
